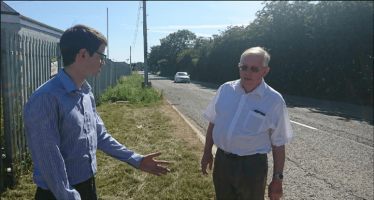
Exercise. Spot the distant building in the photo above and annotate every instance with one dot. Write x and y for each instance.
(15, 22)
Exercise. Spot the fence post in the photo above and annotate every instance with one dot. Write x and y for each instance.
(7, 93)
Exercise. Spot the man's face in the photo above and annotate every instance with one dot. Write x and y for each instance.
(249, 79)
(96, 61)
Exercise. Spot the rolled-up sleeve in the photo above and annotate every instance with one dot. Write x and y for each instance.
(43, 139)
(113, 148)
(283, 131)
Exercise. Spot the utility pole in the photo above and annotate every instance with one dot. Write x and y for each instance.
(130, 59)
(107, 32)
(146, 84)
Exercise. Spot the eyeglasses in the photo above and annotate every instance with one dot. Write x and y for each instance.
(252, 68)
(103, 55)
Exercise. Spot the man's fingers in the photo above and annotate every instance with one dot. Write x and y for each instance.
(275, 197)
(154, 154)
(162, 169)
(159, 171)
(210, 165)
(162, 162)
(203, 168)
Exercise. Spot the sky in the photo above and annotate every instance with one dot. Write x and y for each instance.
(204, 18)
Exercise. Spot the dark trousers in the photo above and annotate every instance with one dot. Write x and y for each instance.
(86, 189)
(240, 177)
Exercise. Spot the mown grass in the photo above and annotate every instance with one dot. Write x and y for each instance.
(185, 181)
(141, 127)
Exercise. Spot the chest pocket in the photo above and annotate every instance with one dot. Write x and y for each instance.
(254, 122)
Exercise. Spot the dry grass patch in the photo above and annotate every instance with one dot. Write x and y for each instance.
(184, 132)
(148, 129)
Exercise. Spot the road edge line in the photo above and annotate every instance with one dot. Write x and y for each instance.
(199, 135)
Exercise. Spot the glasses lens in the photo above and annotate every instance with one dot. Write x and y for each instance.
(254, 69)
(243, 67)
(103, 56)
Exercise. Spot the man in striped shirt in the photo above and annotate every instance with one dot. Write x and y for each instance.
(63, 128)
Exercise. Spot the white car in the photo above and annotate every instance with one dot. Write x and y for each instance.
(181, 77)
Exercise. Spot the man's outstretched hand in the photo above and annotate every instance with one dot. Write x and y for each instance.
(151, 166)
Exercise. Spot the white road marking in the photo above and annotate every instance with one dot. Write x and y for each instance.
(303, 125)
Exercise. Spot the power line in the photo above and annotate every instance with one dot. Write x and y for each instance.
(137, 24)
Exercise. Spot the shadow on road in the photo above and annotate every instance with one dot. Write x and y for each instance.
(344, 111)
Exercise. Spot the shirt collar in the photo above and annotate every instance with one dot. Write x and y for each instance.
(69, 85)
(260, 90)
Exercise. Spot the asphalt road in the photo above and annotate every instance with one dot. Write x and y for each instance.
(332, 155)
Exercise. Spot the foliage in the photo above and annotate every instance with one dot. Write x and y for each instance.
(320, 50)
(129, 89)
(22, 159)
(171, 46)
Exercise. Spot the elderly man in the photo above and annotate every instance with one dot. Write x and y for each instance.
(247, 118)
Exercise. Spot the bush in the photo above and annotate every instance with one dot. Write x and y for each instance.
(129, 89)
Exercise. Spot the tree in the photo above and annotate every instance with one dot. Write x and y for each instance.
(168, 51)
(321, 50)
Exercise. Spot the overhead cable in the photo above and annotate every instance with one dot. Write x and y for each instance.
(137, 25)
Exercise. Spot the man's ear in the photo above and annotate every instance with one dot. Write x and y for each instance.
(266, 71)
(82, 54)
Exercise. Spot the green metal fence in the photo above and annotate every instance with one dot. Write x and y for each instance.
(26, 63)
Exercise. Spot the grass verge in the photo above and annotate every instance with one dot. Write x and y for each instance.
(161, 130)
(145, 128)
(129, 89)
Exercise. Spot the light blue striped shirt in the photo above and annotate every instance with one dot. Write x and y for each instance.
(63, 131)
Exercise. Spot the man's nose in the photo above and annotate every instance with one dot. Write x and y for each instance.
(248, 71)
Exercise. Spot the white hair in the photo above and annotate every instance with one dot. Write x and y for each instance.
(258, 51)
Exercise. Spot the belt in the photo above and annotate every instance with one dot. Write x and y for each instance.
(232, 155)
(228, 154)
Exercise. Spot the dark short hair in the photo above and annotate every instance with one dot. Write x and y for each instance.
(80, 37)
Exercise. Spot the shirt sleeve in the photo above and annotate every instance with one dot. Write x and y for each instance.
(210, 112)
(107, 144)
(43, 139)
(283, 131)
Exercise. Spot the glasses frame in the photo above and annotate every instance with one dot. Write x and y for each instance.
(103, 56)
(251, 68)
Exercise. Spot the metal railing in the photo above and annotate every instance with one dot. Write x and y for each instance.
(26, 63)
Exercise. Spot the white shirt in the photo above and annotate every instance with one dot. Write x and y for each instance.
(240, 130)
